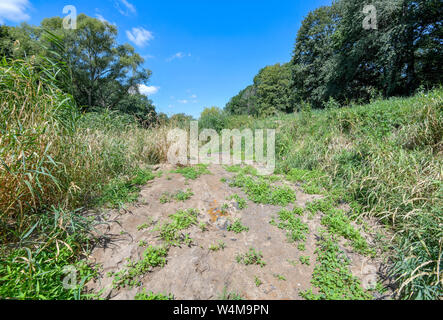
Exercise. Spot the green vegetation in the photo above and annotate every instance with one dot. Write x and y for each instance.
(261, 191)
(152, 257)
(257, 281)
(180, 195)
(332, 276)
(194, 172)
(306, 260)
(229, 295)
(242, 203)
(251, 257)
(296, 229)
(144, 295)
(216, 247)
(181, 220)
(280, 277)
(237, 227)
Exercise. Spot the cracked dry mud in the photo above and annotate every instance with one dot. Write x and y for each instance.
(195, 272)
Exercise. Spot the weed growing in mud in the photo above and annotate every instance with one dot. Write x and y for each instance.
(203, 226)
(183, 195)
(313, 180)
(194, 172)
(292, 262)
(145, 295)
(301, 246)
(220, 246)
(180, 195)
(181, 220)
(242, 203)
(306, 260)
(121, 191)
(237, 227)
(332, 276)
(251, 257)
(280, 277)
(152, 257)
(338, 223)
(142, 243)
(260, 191)
(296, 229)
(257, 281)
(229, 295)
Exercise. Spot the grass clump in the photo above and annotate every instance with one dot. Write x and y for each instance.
(181, 220)
(229, 295)
(251, 257)
(145, 295)
(332, 276)
(261, 191)
(152, 257)
(216, 247)
(237, 227)
(180, 195)
(193, 172)
(296, 229)
(242, 203)
(338, 223)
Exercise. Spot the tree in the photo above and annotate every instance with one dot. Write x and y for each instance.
(104, 72)
(313, 53)
(273, 87)
(6, 41)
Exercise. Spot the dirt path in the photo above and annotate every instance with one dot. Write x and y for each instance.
(196, 272)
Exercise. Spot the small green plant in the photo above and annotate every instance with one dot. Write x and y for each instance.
(203, 226)
(143, 226)
(194, 172)
(301, 246)
(260, 191)
(183, 195)
(142, 243)
(220, 246)
(229, 295)
(338, 223)
(306, 260)
(257, 281)
(237, 227)
(292, 262)
(242, 203)
(296, 229)
(332, 276)
(251, 257)
(280, 277)
(181, 220)
(144, 295)
(152, 257)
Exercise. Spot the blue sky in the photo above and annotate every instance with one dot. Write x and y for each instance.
(201, 52)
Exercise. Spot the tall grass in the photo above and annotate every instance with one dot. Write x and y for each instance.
(54, 160)
(387, 156)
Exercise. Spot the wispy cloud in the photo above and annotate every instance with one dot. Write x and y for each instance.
(148, 90)
(14, 10)
(178, 55)
(127, 9)
(184, 101)
(140, 36)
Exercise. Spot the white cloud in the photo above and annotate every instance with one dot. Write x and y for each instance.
(128, 7)
(148, 90)
(14, 10)
(178, 55)
(184, 101)
(194, 96)
(140, 36)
